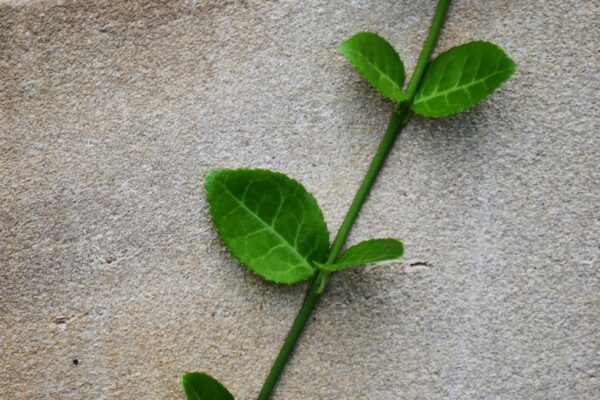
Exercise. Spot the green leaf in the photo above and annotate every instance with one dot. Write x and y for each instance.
(367, 252)
(199, 386)
(462, 77)
(269, 222)
(377, 61)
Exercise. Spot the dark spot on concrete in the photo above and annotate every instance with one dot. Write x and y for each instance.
(420, 264)
(75, 361)
(61, 320)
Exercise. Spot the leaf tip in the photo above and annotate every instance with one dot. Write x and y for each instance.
(210, 177)
(513, 66)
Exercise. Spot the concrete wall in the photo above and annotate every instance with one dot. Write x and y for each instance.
(112, 112)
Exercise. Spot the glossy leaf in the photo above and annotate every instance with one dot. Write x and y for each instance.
(367, 252)
(198, 386)
(462, 77)
(269, 222)
(377, 61)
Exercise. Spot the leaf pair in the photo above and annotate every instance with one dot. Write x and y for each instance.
(274, 226)
(455, 81)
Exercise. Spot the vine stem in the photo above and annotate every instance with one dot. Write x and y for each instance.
(400, 117)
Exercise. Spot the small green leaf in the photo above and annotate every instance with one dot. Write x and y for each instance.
(377, 61)
(367, 252)
(462, 77)
(199, 386)
(269, 222)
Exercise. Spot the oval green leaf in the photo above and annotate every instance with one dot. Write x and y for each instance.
(269, 222)
(367, 252)
(462, 77)
(198, 386)
(377, 61)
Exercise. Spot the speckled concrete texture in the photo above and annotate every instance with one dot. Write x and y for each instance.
(113, 282)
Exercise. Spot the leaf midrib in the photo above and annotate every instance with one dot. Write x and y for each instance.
(267, 226)
(458, 87)
(194, 391)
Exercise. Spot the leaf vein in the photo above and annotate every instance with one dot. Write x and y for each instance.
(376, 68)
(465, 86)
(268, 227)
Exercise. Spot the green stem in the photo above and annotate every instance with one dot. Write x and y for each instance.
(310, 301)
(400, 117)
(428, 46)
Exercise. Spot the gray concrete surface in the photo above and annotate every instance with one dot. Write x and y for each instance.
(112, 112)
